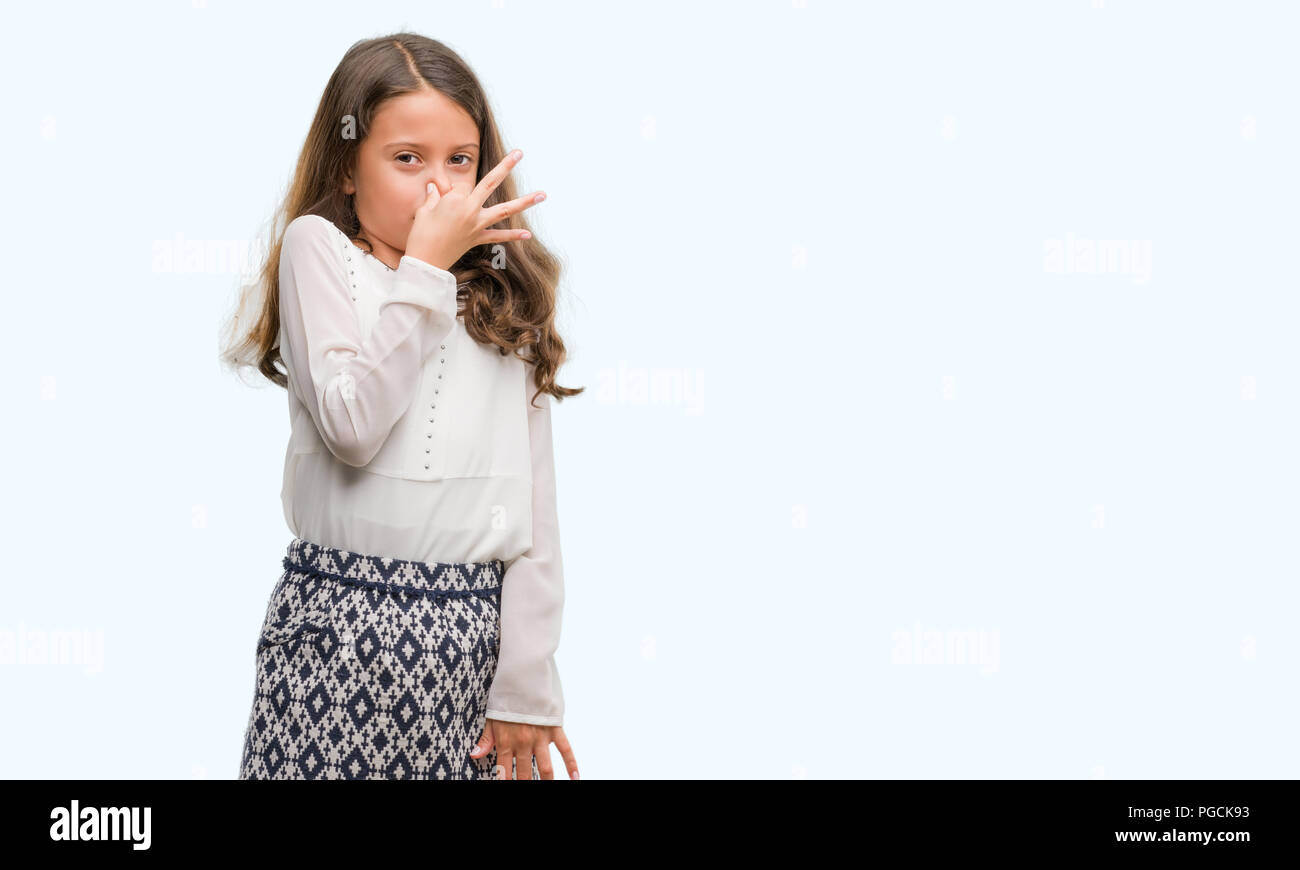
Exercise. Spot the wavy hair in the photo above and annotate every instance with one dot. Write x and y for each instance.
(513, 308)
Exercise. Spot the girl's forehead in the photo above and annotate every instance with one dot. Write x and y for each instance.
(425, 117)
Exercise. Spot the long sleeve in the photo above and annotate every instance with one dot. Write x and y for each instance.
(526, 687)
(355, 388)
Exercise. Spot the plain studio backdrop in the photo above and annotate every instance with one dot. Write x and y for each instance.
(940, 361)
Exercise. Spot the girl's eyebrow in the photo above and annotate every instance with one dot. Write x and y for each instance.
(420, 145)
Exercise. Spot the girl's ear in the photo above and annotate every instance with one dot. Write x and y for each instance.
(348, 187)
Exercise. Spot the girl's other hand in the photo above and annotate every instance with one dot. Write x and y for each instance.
(520, 742)
(449, 224)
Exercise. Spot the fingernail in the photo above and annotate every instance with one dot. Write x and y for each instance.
(575, 774)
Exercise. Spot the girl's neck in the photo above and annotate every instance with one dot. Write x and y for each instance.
(381, 252)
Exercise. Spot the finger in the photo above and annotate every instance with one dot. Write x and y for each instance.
(524, 764)
(543, 754)
(431, 195)
(566, 752)
(484, 744)
(495, 176)
(491, 237)
(499, 212)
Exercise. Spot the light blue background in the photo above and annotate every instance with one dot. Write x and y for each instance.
(903, 430)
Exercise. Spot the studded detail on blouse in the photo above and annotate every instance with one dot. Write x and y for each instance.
(410, 439)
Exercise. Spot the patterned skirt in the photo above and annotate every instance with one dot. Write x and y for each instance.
(372, 667)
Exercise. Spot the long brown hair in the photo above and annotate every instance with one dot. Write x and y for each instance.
(513, 308)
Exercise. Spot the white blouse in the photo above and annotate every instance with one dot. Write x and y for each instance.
(412, 440)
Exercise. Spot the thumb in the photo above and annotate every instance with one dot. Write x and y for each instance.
(431, 190)
(485, 742)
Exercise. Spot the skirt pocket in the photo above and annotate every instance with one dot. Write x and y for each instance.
(299, 609)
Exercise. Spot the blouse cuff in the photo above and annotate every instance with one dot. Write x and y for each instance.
(527, 718)
(412, 285)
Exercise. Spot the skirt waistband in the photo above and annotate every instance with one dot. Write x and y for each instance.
(437, 579)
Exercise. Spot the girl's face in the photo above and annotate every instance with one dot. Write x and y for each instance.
(414, 139)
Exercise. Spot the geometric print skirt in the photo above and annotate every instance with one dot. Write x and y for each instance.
(373, 667)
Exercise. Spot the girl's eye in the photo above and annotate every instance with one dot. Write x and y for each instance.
(405, 154)
(468, 159)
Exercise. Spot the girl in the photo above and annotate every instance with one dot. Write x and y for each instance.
(412, 634)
